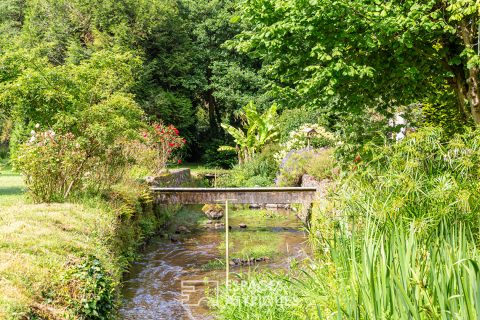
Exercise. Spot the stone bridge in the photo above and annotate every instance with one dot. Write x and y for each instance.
(303, 195)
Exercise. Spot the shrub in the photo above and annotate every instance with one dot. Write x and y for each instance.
(86, 105)
(443, 112)
(422, 178)
(56, 165)
(307, 136)
(53, 165)
(214, 159)
(260, 171)
(95, 298)
(356, 131)
(317, 163)
(292, 119)
(84, 99)
(159, 146)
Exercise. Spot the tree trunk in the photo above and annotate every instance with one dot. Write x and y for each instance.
(467, 33)
(239, 154)
(211, 105)
(473, 94)
(212, 120)
(460, 86)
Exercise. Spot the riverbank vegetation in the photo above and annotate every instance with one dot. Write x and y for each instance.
(66, 260)
(376, 104)
(396, 238)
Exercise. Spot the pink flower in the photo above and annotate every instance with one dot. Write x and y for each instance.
(179, 161)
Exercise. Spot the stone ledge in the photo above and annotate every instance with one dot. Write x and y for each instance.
(171, 178)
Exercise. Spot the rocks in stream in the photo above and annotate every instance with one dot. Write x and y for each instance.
(277, 206)
(216, 226)
(242, 225)
(236, 262)
(182, 230)
(213, 211)
(270, 206)
(173, 238)
(220, 225)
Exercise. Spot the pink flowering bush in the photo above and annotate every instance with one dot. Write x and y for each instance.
(58, 163)
(53, 165)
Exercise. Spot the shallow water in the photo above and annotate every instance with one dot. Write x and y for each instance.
(168, 281)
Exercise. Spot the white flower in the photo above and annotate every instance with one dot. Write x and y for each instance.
(51, 133)
(32, 132)
(37, 126)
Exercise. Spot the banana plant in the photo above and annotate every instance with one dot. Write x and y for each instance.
(258, 130)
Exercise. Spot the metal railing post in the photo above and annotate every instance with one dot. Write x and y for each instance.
(227, 260)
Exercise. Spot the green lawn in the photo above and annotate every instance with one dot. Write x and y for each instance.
(37, 243)
(199, 169)
(11, 187)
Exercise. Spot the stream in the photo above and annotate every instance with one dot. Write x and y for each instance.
(169, 280)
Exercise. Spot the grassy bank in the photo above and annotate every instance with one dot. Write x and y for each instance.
(66, 260)
(395, 238)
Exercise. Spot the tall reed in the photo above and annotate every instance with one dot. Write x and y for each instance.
(399, 274)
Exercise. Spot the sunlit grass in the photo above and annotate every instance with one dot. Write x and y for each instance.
(11, 187)
(199, 169)
(38, 240)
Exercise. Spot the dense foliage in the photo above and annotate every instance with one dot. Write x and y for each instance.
(421, 178)
(167, 57)
(395, 238)
(275, 90)
(258, 172)
(356, 55)
(259, 130)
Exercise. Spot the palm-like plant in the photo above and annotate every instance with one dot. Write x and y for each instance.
(258, 130)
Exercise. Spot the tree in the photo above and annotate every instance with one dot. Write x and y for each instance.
(259, 129)
(185, 72)
(72, 123)
(354, 55)
(90, 100)
(226, 80)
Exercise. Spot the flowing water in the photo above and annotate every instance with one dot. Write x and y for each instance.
(170, 279)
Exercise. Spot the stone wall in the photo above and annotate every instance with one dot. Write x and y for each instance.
(322, 186)
(172, 178)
